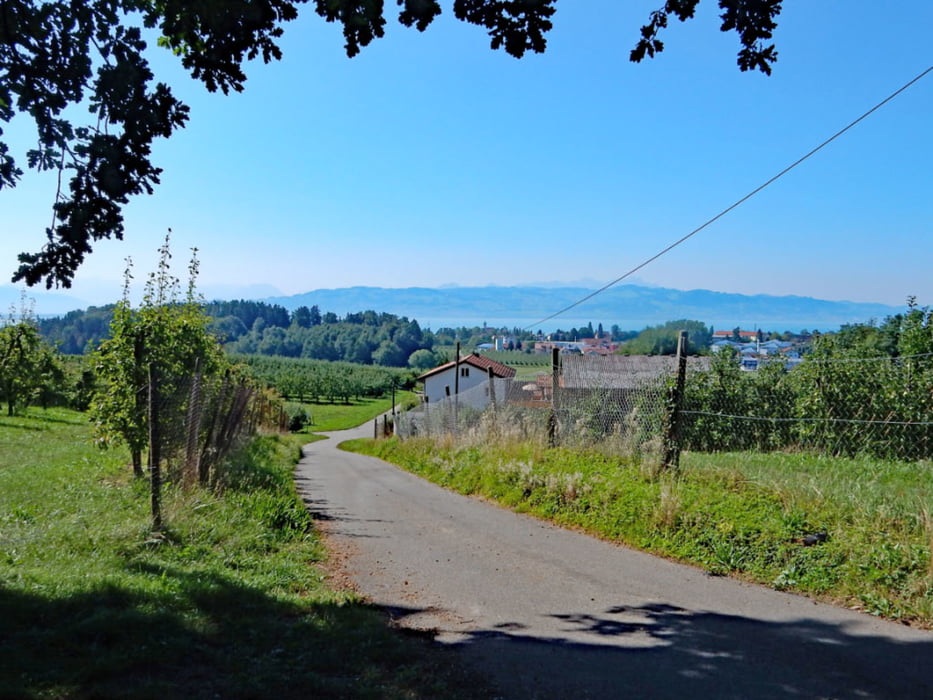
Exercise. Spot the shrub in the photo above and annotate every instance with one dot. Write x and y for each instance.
(298, 419)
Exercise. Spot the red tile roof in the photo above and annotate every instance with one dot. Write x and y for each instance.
(728, 334)
(478, 361)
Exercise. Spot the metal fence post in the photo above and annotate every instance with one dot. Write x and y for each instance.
(155, 453)
(193, 427)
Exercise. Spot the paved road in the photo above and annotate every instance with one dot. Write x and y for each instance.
(548, 613)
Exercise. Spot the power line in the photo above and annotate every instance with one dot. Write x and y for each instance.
(733, 206)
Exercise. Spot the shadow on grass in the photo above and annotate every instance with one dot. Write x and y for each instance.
(32, 419)
(662, 651)
(201, 636)
(19, 426)
(212, 637)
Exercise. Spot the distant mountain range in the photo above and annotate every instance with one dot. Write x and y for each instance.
(631, 307)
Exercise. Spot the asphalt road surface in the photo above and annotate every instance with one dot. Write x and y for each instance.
(544, 612)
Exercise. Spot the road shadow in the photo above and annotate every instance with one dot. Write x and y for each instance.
(202, 636)
(661, 651)
(325, 513)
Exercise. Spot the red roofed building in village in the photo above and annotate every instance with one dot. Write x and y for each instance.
(728, 335)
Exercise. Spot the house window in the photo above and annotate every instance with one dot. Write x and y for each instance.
(464, 371)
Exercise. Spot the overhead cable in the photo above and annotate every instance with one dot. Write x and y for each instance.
(733, 206)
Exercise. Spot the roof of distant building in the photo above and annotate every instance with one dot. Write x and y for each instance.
(718, 335)
(474, 360)
(621, 371)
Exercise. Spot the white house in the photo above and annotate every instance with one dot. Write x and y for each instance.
(474, 370)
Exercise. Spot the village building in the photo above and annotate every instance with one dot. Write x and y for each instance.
(585, 346)
(744, 336)
(620, 375)
(469, 373)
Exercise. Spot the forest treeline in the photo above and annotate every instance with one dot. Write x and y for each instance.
(260, 328)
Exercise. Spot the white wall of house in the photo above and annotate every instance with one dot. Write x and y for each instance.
(434, 386)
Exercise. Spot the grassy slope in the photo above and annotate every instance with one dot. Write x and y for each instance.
(326, 417)
(229, 603)
(738, 514)
(527, 365)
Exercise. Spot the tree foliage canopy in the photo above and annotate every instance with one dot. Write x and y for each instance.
(257, 327)
(164, 335)
(28, 364)
(57, 54)
(662, 340)
(753, 20)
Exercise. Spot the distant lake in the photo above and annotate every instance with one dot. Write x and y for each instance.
(566, 323)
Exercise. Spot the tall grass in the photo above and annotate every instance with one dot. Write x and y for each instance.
(228, 602)
(853, 530)
(866, 489)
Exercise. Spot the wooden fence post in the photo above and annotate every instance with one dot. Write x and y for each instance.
(456, 387)
(493, 426)
(555, 382)
(675, 406)
(457, 369)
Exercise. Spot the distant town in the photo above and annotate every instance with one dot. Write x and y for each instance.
(751, 347)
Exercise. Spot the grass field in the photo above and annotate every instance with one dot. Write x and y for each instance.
(856, 531)
(228, 602)
(337, 416)
(527, 365)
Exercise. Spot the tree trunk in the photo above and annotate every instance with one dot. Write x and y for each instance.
(137, 457)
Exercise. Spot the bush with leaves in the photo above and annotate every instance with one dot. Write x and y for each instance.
(298, 418)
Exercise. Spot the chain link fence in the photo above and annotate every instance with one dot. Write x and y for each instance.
(882, 407)
(203, 419)
(497, 409)
(615, 403)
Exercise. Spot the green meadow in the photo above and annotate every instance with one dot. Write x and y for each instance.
(230, 600)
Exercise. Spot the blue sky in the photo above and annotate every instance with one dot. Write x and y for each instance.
(430, 160)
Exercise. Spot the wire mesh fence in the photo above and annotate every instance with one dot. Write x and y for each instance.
(882, 407)
(202, 419)
(613, 403)
(499, 408)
